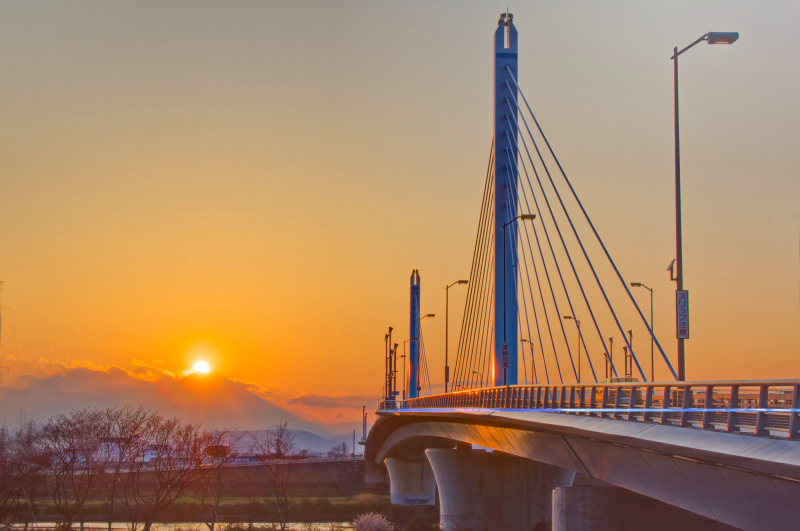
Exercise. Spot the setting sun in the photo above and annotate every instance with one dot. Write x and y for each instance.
(201, 366)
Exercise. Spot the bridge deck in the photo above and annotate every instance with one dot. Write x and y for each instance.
(762, 408)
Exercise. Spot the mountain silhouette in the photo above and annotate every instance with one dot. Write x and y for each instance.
(214, 400)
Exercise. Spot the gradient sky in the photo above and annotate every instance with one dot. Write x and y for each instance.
(253, 182)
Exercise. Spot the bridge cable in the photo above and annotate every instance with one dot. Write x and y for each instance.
(552, 251)
(527, 324)
(425, 377)
(533, 306)
(466, 322)
(483, 315)
(569, 258)
(580, 243)
(544, 307)
(515, 266)
(600, 241)
(564, 245)
(555, 260)
(555, 303)
(483, 348)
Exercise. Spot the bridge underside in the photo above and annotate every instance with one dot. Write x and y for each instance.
(746, 482)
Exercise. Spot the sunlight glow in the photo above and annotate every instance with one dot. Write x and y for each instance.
(201, 366)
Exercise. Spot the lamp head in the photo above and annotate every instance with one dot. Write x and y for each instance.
(722, 37)
(463, 282)
(636, 284)
(527, 217)
(568, 317)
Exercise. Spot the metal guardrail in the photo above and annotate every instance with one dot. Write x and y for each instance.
(758, 407)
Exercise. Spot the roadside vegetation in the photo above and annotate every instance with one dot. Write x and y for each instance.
(133, 466)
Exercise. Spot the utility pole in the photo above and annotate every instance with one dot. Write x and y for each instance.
(364, 423)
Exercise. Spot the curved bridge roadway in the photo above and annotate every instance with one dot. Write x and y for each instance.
(725, 450)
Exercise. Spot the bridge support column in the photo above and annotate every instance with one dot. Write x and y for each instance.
(481, 490)
(412, 481)
(592, 505)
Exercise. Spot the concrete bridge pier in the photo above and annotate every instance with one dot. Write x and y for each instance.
(411, 481)
(481, 490)
(593, 505)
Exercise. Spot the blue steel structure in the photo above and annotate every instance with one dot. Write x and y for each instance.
(413, 357)
(506, 199)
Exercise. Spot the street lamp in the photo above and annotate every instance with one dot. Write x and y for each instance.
(630, 358)
(652, 332)
(533, 367)
(577, 322)
(523, 217)
(476, 373)
(713, 37)
(447, 329)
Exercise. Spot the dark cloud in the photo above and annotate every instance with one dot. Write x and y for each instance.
(354, 401)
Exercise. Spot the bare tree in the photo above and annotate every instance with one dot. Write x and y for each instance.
(276, 446)
(168, 464)
(218, 449)
(119, 449)
(20, 463)
(74, 441)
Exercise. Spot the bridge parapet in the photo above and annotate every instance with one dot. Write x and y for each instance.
(763, 408)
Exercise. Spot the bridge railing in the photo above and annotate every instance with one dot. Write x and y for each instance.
(765, 408)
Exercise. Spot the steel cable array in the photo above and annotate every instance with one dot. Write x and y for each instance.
(473, 364)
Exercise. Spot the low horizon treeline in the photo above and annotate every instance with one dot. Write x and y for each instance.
(138, 461)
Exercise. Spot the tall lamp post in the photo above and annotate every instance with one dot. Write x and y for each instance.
(533, 367)
(577, 322)
(523, 217)
(447, 329)
(712, 37)
(653, 332)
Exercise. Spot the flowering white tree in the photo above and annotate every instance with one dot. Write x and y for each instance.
(372, 522)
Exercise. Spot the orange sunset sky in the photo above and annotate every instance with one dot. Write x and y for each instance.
(251, 183)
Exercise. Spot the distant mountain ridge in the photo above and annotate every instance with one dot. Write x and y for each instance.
(304, 440)
(216, 401)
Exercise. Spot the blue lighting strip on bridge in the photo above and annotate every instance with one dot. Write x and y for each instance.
(595, 410)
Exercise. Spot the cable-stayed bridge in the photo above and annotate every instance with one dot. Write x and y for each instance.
(584, 438)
